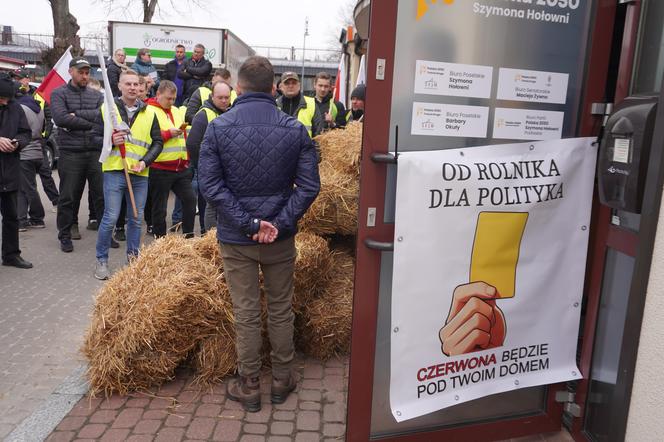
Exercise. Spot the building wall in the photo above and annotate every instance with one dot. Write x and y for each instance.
(646, 411)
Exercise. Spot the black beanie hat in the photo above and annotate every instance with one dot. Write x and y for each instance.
(7, 88)
(359, 92)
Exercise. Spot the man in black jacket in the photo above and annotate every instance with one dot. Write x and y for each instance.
(75, 107)
(171, 71)
(195, 71)
(293, 102)
(215, 105)
(14, 135)
(333, 112)
(202, 93)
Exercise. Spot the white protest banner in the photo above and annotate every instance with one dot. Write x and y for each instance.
(489, 263)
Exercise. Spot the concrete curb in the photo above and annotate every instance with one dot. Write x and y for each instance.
(47, 416)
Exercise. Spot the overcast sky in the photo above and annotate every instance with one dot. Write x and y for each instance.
(257, 22)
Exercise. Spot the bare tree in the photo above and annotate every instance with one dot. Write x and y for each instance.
(345, 17)
(65, 29)
(149, 7)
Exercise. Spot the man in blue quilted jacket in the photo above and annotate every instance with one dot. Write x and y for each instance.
(259, 167)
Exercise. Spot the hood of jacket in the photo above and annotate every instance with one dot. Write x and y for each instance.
(29, 102)
(154, 102)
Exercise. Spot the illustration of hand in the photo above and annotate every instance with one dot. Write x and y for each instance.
(474, 322)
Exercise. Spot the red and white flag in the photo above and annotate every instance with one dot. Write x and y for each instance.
(58, 76)
(340, 83)
(362, 73)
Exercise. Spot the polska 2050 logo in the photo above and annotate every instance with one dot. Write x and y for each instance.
(424, 5)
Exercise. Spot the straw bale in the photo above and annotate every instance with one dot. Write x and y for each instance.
(171, 305)
(215, 357)
(314, 268)
(151, 314)
(341, 148)
(208, 248)
(335, 208)
(324, 326)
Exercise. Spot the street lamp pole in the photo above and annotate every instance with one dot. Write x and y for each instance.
(304, 43)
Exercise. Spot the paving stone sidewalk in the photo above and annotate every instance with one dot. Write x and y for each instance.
(180, 411)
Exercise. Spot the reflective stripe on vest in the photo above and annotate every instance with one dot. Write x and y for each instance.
(136, 144)
(175, 148)
(306, 114)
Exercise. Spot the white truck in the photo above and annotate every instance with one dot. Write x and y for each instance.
(222, 47)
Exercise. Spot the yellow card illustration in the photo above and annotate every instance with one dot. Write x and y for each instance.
(496, 250)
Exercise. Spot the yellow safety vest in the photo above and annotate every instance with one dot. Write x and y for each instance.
(39, 99)
(183, 109)
(206, 92)
(306, 114)
(175, 148)
(137, 144)
(210, 114)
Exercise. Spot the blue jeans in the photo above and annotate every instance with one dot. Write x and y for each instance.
(115, 187)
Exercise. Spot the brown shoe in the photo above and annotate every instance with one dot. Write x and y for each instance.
(246, 391)
(281, 388)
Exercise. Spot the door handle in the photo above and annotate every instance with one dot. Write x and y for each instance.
(379, 245)
(385, 158)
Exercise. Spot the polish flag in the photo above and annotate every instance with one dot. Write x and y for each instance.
(340, 83)
(362, 74)
(58, 76)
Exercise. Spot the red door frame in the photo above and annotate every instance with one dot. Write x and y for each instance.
(605, 234)
(365, 304)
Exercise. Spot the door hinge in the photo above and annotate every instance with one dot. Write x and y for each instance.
(570, 407)
(603, 109)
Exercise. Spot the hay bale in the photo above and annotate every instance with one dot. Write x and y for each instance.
(335, 209)
(172, 305)
(314, 268)
(214, 358)
(151, 314)
(324, 326)
(208, 248)
(341, 148)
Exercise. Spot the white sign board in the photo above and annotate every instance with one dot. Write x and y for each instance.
(527, 124)
(449, 120)
(458, 80)
(532, 86)
(489, 263)
(162, 39)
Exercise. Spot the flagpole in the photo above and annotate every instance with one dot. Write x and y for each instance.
(112, 114)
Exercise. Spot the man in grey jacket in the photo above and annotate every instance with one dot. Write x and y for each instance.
(75, 107)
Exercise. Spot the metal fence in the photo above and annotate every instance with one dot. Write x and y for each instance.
(90, 42)
(293, 53)
(44, 41)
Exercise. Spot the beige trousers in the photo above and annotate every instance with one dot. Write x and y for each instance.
(241, 265)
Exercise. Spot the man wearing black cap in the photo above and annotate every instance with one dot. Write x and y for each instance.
(295, 104)
(14, 135)
(357, 103)
(22, 76)
(75, 108)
